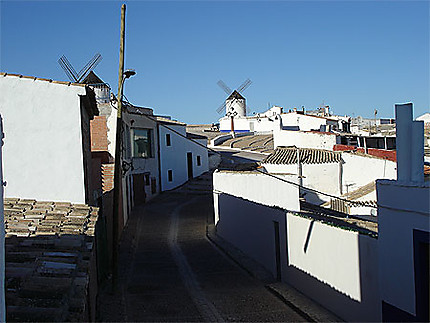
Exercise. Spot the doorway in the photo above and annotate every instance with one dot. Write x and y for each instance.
(277, 251)
(190, 165)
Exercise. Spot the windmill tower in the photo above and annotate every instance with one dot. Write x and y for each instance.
(235, 104)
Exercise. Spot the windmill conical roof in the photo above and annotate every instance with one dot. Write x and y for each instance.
(235, 95)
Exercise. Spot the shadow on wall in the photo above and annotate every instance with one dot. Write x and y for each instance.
(334, 266)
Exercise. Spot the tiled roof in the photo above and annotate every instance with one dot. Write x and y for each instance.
(49, 260)
(28, 218)
(288, 155)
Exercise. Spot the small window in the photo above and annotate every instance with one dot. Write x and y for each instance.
(142, 143)
(168, 143)
(170, 175)
(199, 161)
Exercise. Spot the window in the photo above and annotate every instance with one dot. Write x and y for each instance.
(170, 175)
(199, 161)
(142, 143)
(168, 142)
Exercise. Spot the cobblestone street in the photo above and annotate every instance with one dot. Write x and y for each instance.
(170, 271)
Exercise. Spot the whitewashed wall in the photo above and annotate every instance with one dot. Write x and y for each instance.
(2, 233)
(249, 227)
(303, 139)
(361, 170)
(320, 177)
(174, 157)
(396, 264)
(336, 267)
(259, 188)
(304, 122)
(42, 154)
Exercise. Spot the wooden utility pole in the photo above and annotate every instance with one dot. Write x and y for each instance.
(117, 170)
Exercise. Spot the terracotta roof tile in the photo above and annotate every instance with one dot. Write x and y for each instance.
(288, 155)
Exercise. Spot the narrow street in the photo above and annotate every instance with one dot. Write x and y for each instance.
(170, 271)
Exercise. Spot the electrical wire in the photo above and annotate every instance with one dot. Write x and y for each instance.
(278, 178)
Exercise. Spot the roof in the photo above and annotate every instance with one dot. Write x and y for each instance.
(235, 95)
(169, 121)
(288, 155)
(28, 218)
(41, 79)
(92, 78)
(195, 136)
(48, 257)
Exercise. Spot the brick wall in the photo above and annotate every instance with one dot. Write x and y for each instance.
(107, 177)
(99, 140)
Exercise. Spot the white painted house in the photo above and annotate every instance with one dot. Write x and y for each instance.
(181, 158)
(47, 138)
(404, 227)
(332, 264)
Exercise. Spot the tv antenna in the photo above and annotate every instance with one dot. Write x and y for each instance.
(71, 72)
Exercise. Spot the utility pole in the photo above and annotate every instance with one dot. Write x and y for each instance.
(117, 169)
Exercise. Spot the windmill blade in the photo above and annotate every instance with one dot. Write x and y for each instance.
(224, 86)
(244, 85)
(221, 107)
(89, 67)
(68, 68)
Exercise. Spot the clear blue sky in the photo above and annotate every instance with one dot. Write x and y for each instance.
(354, 55)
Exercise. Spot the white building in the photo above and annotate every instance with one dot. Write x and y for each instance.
(293, 120)
(47, 138)
(333, 173)
(404, 227)
(181, 156)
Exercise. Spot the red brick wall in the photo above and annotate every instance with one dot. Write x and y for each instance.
(99, 140)
(382, 153)
(107, 177)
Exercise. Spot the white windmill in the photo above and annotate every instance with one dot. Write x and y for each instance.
(235, 104)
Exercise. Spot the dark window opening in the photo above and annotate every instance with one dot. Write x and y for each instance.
(199, 161)
(168, 142)
(170, 175)
(142, 143)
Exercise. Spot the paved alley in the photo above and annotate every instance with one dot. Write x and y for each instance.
(170, 271)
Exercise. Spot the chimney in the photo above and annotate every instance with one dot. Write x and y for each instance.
(409, 145)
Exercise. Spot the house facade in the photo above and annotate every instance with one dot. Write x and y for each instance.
(47, 138)
(182, 156)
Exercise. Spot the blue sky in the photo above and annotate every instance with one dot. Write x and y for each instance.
(353, 55)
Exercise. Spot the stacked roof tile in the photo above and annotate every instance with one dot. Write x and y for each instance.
(49, 260)
(288, 155)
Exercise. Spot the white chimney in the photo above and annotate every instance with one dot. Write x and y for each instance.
(409, 145)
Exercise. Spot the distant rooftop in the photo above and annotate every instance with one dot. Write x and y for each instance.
(288, 155)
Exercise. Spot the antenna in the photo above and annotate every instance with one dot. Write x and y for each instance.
(71, 72)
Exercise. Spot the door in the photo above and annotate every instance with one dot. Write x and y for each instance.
(139, 189)
(190, 165)
(277, 251)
